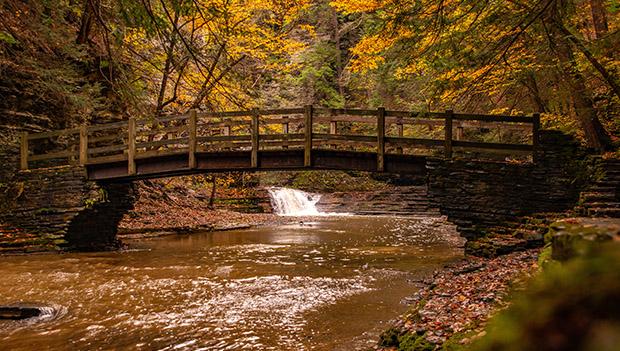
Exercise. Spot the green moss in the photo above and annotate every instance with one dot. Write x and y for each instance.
(404, 341)
(453, 343)
(414, 342)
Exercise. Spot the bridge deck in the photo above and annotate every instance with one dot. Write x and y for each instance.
(271, 160)
(297, 138)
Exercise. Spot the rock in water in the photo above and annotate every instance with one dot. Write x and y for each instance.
(18, 313)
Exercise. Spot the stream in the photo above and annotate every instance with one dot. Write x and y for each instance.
(319, 283)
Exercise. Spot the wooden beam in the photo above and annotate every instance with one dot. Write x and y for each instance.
(308, 111)
(255, 132)
(191, 128)
(285, 131)
(448, 137)
(131, 147)
(83, 145)
(401, 132)
(381, 139)
(23, 151)
(535, 137)
(459, 133)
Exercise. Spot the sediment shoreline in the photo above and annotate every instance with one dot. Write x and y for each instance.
(453, 306)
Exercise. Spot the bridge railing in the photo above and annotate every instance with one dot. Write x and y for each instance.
(380, 131)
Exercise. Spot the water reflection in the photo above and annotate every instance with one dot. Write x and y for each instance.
(316, 286)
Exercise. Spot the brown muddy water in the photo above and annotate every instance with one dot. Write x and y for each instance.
(329, 283)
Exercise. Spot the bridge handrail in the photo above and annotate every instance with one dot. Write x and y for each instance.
(196, 127)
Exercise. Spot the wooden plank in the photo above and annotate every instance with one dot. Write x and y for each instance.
(285, 131)
(23, 151)
(308, 112)
(341, 137)
(83, 145)
(448, 134)
(535, 136)
(491, 118)
(224, 138)
(267, 121)
(161, 153)
(54, 133)
(381, 139)
(164, 142)
(192, 138)
(345, 111)
(414, 114)
(107, 159)
(282, 111)
(282, 137)
(228, 123)
(99, 150)
(131, 147)
(492, 146)
(401, 132)
(413, 141)
(414, 121)
(225, 114)
(255, 133)
(283, 144)
(107, 126)
(459, 133)
(355, 119)
(52, 155)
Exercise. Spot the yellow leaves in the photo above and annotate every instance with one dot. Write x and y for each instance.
(368, 53)
(354, 6)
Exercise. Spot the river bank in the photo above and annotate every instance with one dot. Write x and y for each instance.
(452, 307)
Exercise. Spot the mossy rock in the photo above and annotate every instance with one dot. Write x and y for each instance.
(573, 237)
(572, 306)
(405, 340)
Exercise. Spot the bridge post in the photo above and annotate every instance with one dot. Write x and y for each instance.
(333, 129)
(401, 133)
(285, 131)
(308, 136)
(83, 145)
(255, 131)
(23, 151)
(448, 137)
(191, 128)
(535, 136)
(131, 146)
(381, 139)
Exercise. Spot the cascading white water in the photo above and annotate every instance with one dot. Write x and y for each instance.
(293, 202)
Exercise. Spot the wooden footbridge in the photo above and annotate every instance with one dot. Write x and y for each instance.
(284, 139)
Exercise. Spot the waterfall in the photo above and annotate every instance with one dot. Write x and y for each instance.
(293, 202)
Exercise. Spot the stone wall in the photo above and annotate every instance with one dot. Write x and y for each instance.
(58, 208)
(482, 197)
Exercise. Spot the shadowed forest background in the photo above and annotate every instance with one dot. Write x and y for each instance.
(66, 62)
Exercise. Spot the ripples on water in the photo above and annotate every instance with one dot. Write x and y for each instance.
(317, 286)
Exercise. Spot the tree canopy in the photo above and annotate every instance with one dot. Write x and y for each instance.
(70, 61)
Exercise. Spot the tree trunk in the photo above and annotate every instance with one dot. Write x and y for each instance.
(86, 24)
(532, 86)
(599, 18)
(167, 65)
(595, 134)
(212, 197)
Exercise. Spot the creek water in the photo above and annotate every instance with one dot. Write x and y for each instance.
(328, 283)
